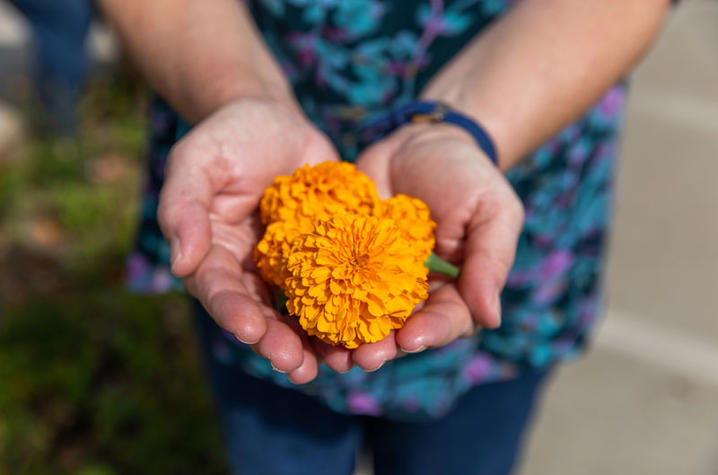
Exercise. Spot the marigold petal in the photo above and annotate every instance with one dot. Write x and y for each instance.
(375, 307)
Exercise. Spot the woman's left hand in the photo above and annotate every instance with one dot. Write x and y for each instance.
(478, 216)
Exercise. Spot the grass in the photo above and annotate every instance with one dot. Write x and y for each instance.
(103, 382)
(94, 380)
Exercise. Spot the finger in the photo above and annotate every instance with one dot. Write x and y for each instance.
(318, 148)
(443, 319)
(257, 288)
(309, 368)
(374, 162)
(337, 358)
(307, 371)
(371, 356)
(491, 241)
(183, 211)
(217, 283)
(281, 346)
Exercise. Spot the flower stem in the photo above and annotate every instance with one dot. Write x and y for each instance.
(440, 266)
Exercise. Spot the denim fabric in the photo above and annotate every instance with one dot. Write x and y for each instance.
(270, 430)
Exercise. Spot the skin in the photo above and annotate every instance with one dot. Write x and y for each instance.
(530, 74)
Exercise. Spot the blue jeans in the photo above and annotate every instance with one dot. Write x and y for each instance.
(271, 430)
(59, 29)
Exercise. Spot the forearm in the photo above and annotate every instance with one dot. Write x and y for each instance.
(543, 65)
(198, 55)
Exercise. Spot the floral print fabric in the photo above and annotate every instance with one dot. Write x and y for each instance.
(349, 60)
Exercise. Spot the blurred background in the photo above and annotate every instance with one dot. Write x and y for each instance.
(94, 380)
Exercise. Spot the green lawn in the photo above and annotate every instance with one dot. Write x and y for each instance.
(93, 380)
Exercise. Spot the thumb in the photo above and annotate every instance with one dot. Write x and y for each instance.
(183, 213)
(374, 162)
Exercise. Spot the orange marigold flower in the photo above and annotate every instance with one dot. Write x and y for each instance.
(353, 279)
(270, 253)
(413, 217)
(319, 191)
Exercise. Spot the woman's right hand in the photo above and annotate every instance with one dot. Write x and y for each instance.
(215, 178)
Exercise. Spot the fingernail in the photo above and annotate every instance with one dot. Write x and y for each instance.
(175, 251)
(242, 341)
(377, 368)
(277, 369)
(234, 337)
(417, 350)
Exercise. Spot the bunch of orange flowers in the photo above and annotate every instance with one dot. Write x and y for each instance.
(352, 266)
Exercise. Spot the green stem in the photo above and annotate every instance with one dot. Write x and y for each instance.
(440, 266)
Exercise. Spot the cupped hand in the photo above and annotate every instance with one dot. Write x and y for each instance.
(478, 216)
(215, 178)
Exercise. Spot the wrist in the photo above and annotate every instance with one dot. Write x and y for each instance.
(461, 96)
(430, 131)
(432, 113)
(227, 84)
(446, 139)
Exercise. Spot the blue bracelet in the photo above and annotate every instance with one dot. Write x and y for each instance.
(433, 112)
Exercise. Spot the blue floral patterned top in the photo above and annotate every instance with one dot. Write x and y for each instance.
(351, 59)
